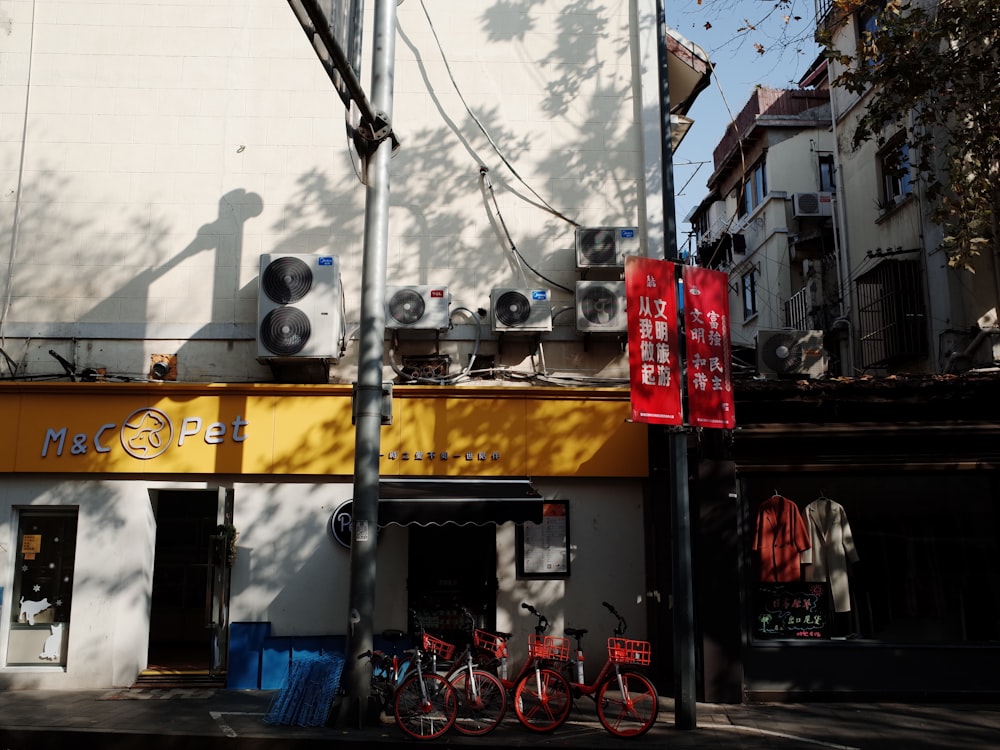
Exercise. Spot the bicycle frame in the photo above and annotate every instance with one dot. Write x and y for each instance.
(531, 663)
(395, 670)
(541, 694)
(590, 690)
(626, 701)
(405, 686)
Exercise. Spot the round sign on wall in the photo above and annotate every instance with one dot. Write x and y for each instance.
(340, 524)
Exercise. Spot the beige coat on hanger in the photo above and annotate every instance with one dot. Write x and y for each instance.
(831, 551)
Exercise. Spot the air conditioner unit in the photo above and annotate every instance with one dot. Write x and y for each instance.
(299, 306)
(791, 353)
(417, 307)
(600, 307)
(515, 310)
(812, 204)
(605, 247)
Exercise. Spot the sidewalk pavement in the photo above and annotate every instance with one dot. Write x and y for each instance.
(152, 719)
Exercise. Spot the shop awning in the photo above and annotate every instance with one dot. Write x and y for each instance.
(458, 501)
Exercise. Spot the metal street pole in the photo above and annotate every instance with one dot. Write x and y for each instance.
(685, 682)
(371, 350)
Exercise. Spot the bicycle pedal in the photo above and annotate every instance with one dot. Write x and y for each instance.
(384, 718)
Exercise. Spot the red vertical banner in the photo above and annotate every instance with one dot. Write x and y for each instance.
(708, 349)
(653, 353)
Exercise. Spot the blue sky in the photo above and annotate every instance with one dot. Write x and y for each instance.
(783, 28)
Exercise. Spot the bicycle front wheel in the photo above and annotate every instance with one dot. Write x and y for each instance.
(482, 702)
(542, 700)
(628, 711)
(425, 708)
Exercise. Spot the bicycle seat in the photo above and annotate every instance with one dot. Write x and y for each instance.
(576, 632)
(393, 636)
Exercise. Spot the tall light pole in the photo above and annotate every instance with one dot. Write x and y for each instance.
(371, 351)
(685, 683)
(333, 27)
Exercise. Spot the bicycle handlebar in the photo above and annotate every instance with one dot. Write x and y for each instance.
(470, 619)
(543, 621)
(621, 627)
(416, 621)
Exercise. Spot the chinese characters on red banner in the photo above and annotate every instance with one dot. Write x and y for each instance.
(709, 356)
(655, 352)
(654, 357)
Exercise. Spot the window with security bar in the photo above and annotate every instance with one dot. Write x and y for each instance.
(891, 314)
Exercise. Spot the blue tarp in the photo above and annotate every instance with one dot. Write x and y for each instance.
(308, 694)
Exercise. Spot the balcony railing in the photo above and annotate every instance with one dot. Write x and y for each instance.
(797, 311)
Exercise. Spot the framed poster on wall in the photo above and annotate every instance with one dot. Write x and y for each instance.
(543, 549)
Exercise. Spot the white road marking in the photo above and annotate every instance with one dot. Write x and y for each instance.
(224, 727)
(795, 737)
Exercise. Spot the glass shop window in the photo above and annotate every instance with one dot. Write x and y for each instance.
(43, 587)
(874, 558)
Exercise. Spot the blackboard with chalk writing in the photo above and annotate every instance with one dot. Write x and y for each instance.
(797, 609)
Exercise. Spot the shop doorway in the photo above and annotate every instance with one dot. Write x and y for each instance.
(190, 585)
(451, 567)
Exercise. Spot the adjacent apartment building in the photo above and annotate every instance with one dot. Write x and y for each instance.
(863, 469)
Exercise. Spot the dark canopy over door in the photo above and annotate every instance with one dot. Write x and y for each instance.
(457, 501)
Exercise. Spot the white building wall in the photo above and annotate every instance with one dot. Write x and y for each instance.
(109, 624)
(607, 557)
(152, 151)
(291, 573)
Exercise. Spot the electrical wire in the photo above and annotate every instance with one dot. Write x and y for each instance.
(451, 379)
(16, 223)
(544, 203)
(510, 240)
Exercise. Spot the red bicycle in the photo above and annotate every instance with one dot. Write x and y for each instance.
(626, 701)
(542, 699)
(423, 703)
(482, 698)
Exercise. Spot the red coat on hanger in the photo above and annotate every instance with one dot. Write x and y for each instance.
(781, 538)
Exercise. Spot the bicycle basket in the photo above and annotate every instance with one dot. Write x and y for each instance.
(627, 651)
(548, 647)
(490, 642)
(438, 647)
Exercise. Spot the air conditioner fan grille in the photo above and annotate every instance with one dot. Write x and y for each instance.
(286, 280)
(599, 306)
(808, 203)
(513, 309)
(406, 306)
(783, 353)
(598, 246)
(285, 331)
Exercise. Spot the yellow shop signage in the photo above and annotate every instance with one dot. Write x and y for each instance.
(267, 429)
(144, 434)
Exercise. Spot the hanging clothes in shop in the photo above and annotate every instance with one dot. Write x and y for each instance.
(831, 549)
(781, 538)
